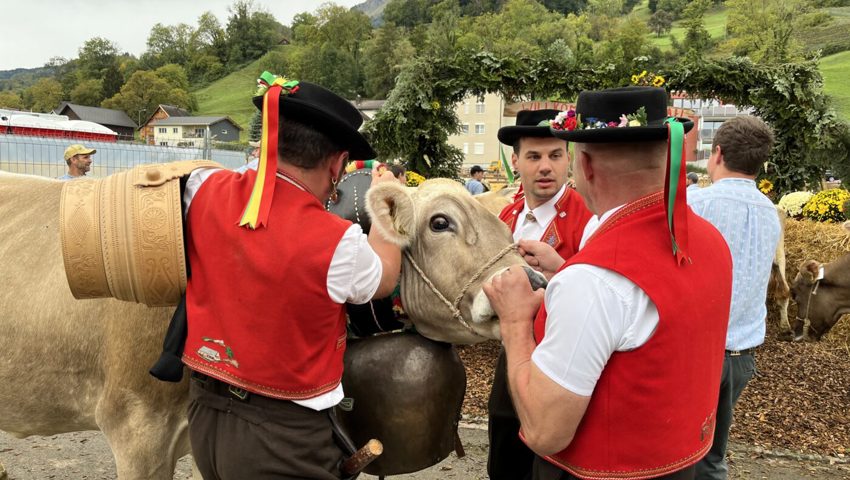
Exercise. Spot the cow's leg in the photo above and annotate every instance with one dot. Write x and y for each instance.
(781, 296)
(146, 439)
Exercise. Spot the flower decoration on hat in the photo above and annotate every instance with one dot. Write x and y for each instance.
(569, 120)
(648, 79)
(272, 88)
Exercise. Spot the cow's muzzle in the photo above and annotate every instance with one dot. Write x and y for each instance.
(483, 315)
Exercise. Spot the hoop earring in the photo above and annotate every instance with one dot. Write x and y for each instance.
(334, 194)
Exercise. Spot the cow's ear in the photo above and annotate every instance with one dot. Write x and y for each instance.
(391, 210)
(810, 269)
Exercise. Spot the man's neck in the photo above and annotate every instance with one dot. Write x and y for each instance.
(722, 173)
(312, 179)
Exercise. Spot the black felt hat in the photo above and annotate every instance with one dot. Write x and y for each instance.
(326, 112)
(528, 125)
(606, 106)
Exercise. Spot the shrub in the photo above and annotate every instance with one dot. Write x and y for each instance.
(794, 202)
(827, 205)
(847, 209)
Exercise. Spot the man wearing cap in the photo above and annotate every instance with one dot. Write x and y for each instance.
(79, 161)
(611, 371)
(271, 271)
(253, 158)
(475, 185)
(748, 220)
(546, 211)
(693, 182)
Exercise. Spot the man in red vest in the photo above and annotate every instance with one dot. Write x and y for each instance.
(271, 272)
(547, 210)
(615, 375)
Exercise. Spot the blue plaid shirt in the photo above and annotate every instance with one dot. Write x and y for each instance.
(749, 224)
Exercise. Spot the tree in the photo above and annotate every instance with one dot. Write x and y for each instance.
(169, 44)
(565, 6)
(175, 75)
(255, 129)
(765, 31)
(697, 37)
(88, 92)
(145, 90)
(250, 32)
(210, 38)
(673, 7)
(98, 59)
(383, 56)
(11, 100)
(660, 22)
(408, 13)
(44, 96)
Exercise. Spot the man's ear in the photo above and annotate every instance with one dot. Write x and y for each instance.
(391, 211)
(514, 159)
(337, 163)
(586, 162)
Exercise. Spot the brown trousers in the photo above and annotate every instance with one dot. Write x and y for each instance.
(259, 437)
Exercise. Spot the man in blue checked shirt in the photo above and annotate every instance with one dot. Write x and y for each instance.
(749, 223)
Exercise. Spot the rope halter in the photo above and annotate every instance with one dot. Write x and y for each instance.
(454, 307)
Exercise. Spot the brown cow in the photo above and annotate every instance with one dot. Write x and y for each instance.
(822, 294)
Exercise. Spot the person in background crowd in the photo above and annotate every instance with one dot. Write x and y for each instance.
(692, 180)
(601, 366)
(747, 219)
(547, 211)
(399, 172)
(475, 185)
(79, 161)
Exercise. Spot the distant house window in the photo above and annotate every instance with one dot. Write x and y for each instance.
(162, 129)
(224, 132)
(466, 107)
(479, 129)
(465, 148)
(479, 149)
(479, 106)
(464, 129)
(164, 144)
(175, 130)
(199, 132)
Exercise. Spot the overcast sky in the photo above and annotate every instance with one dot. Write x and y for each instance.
(33, 31)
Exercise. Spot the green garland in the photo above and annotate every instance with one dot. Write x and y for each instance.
(418, 118)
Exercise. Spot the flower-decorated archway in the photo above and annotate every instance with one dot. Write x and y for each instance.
(418, 118)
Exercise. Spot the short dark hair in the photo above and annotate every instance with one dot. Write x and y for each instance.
(746, 142)
(693, 177)
(475, 169)
(397, 170)
(302, 146)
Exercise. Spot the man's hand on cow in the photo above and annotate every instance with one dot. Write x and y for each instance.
(541, 257)
(513, 300)
(381, 173)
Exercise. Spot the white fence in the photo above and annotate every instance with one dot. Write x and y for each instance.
(44, 156)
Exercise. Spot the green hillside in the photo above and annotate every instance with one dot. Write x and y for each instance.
(715, 23)
(835, 70)
(231, 96)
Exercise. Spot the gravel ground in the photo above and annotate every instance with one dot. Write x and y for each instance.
(85, 455)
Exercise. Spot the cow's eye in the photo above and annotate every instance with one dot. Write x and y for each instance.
(439, 223)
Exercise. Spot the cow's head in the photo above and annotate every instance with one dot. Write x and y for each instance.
(820, 301)
(457, 244)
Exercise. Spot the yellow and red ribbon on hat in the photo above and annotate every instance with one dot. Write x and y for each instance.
(256, 212)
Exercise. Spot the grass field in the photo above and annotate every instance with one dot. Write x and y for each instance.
(835, 70)
(231, 96)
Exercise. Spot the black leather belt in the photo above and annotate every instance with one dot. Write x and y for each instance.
(738, 353)
(216, 386)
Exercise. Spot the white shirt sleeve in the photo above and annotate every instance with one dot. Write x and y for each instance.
(355, 271)
(196, 179)
(592, 312)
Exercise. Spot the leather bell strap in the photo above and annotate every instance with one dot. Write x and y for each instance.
(674, 190)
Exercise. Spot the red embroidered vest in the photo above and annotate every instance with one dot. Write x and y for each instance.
(564, 231)
(258, 308)
(652, 410)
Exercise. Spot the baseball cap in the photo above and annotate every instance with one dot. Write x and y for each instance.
(77, 149)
